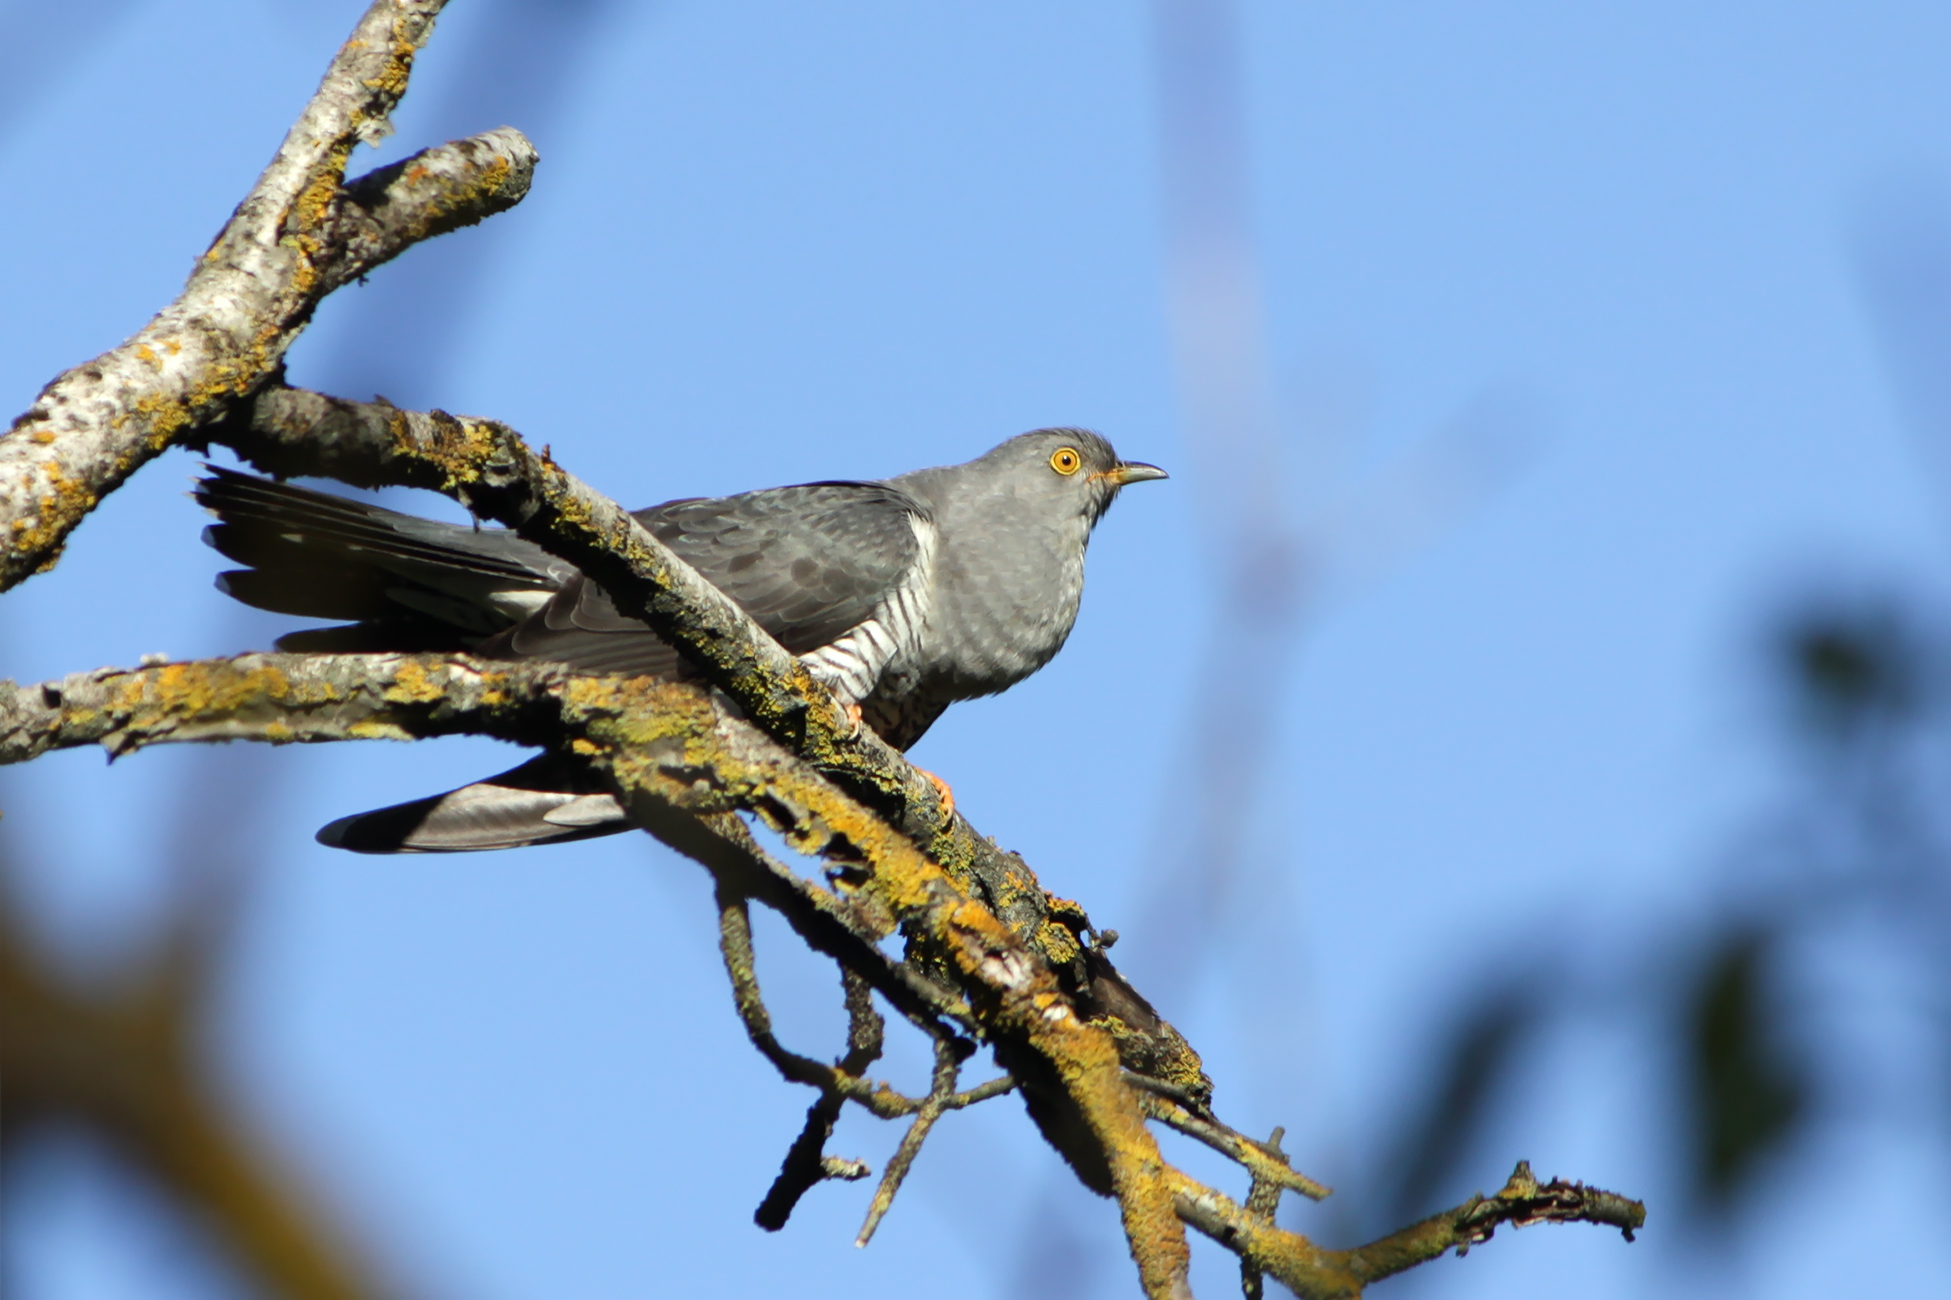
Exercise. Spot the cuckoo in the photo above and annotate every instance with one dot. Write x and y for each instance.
(901, 597)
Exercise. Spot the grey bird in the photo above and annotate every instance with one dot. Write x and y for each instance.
(901, 597)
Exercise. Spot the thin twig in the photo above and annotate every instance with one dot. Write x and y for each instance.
(806, 1165)
(1521, 1202)
(1263, 1202)
(1268, 1166)
(949, 1055)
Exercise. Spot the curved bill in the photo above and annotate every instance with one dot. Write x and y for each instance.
(1133, 471)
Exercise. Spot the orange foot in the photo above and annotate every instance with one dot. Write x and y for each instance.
(853, 716)
(943, 795)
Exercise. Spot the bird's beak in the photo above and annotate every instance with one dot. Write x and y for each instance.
(1132, 471)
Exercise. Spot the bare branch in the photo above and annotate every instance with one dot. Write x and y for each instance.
(1316, 1274)
(806, 1165)
(682, 761)
(671, 749)
(296, 236)
(438, 190)
(1262, 1202)
(1522, 1202)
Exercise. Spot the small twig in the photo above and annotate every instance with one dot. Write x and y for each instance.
(1263, 1202)
(806, 1165)
(1521, 1202)
(828, 922)
(866, 1031)
(949, 1055)
(1186, 1097)
(1316, 1274)
(741, 965)
(981, 1092)
(865, 1034)
(1265, 1164)
(806, 1161)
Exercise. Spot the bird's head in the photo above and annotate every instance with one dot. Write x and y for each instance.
(1073, 466)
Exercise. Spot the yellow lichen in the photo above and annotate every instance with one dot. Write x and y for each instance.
(413, 684)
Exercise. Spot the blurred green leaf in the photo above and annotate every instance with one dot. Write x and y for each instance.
(1848, 666)
(1453, 1113)
(1747, 1093)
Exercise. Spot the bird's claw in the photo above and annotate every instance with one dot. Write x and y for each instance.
(944, 797)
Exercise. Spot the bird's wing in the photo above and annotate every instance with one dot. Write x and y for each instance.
(809, 563)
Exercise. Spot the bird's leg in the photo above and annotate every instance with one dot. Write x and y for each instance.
(943, 795)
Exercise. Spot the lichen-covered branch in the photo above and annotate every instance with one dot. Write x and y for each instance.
(1263, 1202)
(387, 211)
(665, 745)
(806, 1162)
(1521, 1202)
(1266, 1162)
(295, 237)
(1316, 1274)
(685, 766)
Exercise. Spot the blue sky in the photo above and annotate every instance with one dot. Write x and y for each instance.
(772, 242)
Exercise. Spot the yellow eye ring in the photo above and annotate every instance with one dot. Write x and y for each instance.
(1066, 461)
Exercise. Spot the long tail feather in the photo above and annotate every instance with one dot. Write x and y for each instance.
(322, 556)
(541, 802)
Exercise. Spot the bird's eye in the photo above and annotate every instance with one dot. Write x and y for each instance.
(1066, 461)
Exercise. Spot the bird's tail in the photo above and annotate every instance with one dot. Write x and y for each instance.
(402, 583)
(544, 801)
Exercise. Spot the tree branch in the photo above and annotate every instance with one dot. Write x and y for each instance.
(678, 758)
(387, 211)
(1316, 1274)
(1522, 1202)
(296, 236)
(665, 745)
